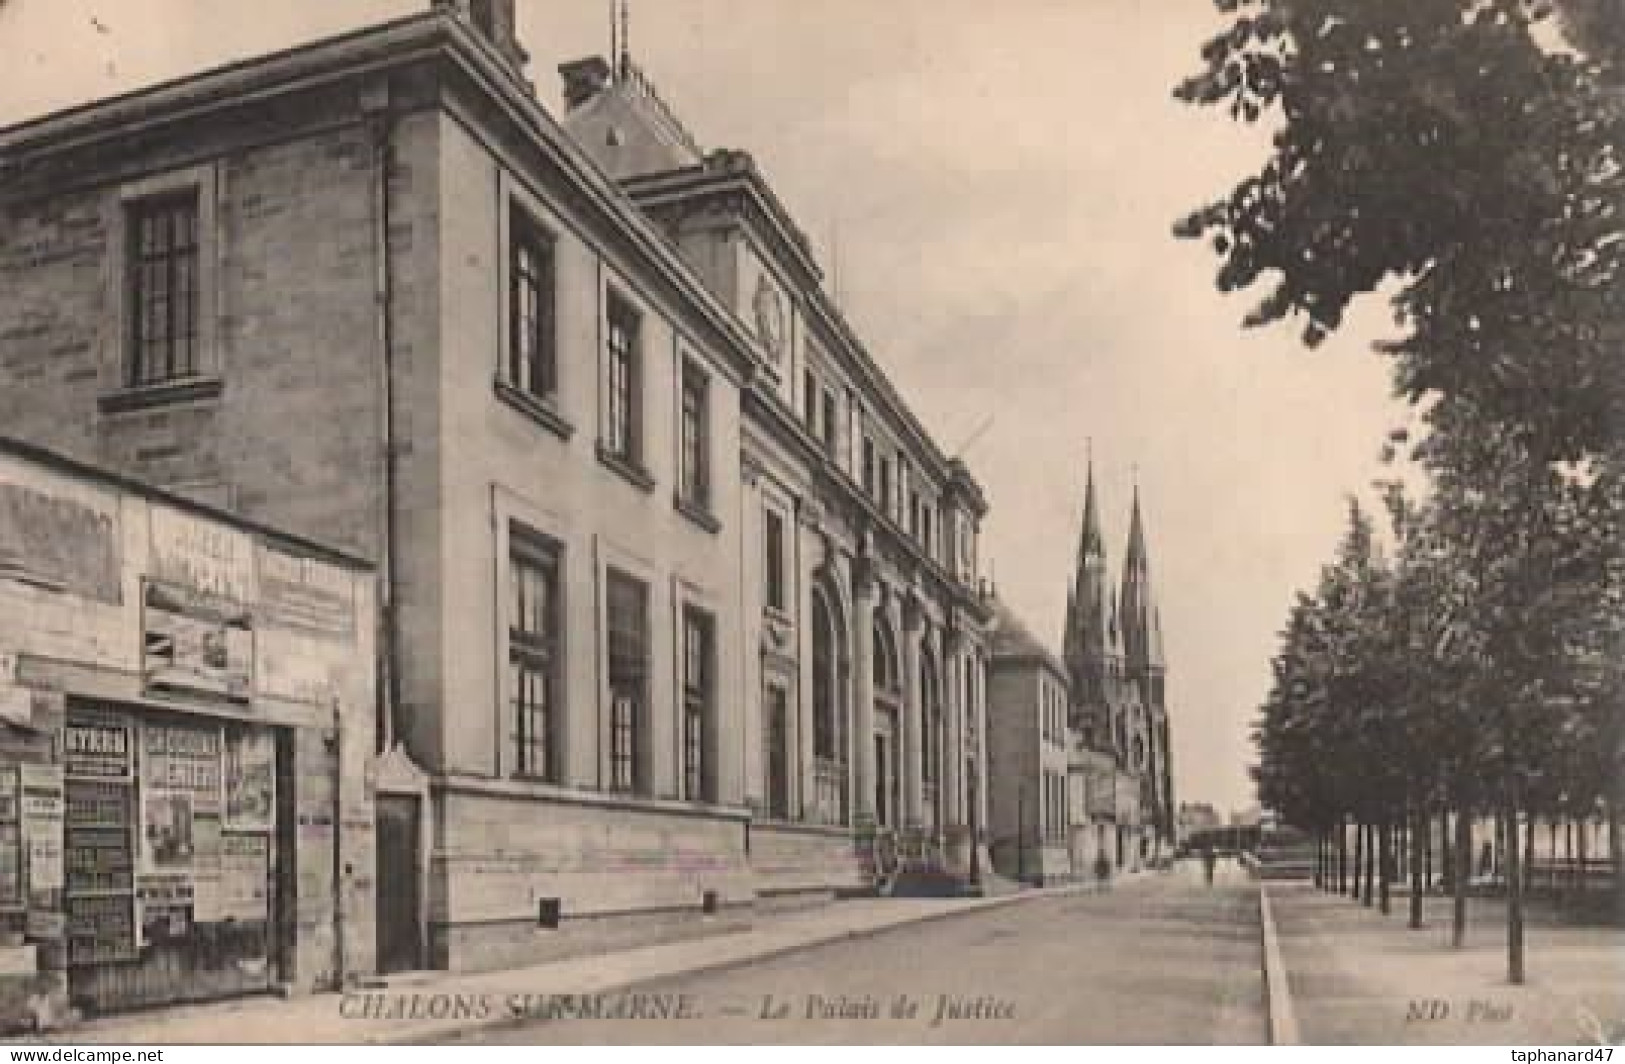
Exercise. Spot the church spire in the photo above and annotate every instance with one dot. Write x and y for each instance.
(1142, 635)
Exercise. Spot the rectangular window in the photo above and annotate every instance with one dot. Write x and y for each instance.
(626, 614)
(622, 434)
(699, 657)
(773, 559)
(925, 531)
(696, 439)
(884, 487)
(827, 429)
(534, 661)
(869, 466)
(532, 357)
(809, 401)
(776, 737)
(164, 289)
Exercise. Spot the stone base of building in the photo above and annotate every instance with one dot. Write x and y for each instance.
(798, 864)
(519, 944)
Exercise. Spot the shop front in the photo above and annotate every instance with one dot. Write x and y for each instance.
(186, 751)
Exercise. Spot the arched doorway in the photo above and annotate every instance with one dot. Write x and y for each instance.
(830, 711)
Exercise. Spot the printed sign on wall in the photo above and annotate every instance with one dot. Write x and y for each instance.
(97, 749)
(62, 540)
(42, 823)
(195, 642)
(180, 777)
(201, 555)
(250, 780)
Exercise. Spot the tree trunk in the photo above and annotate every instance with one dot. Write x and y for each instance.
(1421, 826)
(1342, 855)
(1616, 852)
(1359, 858)
(1427, 849)
(1447, 850)
(1581, 854)
(1370, 864)
(1515, 887)
(1528, 854)
(1464, 869)
(1385, 866)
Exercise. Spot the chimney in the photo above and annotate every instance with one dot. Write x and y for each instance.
(493, 21)
(583, 79)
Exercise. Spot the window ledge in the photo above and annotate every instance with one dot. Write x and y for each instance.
(697, 513)
(638, 476)
(544, 412)
(143, 396)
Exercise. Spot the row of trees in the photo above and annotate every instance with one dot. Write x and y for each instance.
(1467, 156)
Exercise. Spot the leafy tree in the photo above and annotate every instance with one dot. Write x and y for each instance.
(1441, 146)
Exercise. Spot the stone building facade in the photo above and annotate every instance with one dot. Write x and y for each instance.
(1029, 747)
(187, 739)
(370, 290)
(863, 628)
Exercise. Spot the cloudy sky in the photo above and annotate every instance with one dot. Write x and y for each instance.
(999, 181)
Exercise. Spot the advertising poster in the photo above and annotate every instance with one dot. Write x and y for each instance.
(193, 642)
(206, 868)
(250, 780)
(60, 541)
(42, 825)
(164, 906)
(180, 776)
(244, 869)
(97, 749)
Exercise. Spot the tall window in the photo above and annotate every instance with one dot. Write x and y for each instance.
(776, 737)
(622, 434)
(887, 503)
(164, 292)
(869, 465)
(696, 439)
(699, 649)
(534, 661)
(823, 679)
(773, 551)
(809, 400)
(826, 431)
(627, 611)
(532, 358)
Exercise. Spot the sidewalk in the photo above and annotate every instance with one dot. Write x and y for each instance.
(1358, 977)
(479, 999)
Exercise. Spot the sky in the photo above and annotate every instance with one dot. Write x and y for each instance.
(991, 189)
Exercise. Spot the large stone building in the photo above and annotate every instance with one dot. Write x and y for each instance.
(678, 597)
(1123, 780)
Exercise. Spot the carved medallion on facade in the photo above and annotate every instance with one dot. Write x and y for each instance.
(769, 311)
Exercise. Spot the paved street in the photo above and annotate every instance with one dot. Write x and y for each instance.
(1166, 959)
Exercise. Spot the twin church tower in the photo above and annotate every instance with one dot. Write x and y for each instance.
(1114, 659)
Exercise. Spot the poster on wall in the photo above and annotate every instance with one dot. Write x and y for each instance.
(305, 595)
(97, 748)
(206, 868)
(42, 811)
(164, 907)
(180, 777)
(244, 869)
(203, 556)
(250, 780)
(49, 538)
(195, 642)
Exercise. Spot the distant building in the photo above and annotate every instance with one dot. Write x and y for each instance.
(1114, 657)
(1028, 743)
(1197, 816)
